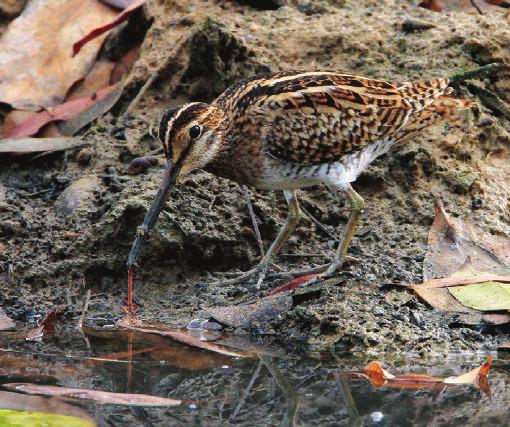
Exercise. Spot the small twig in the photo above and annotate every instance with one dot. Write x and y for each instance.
(489, 70)
(79, 326)
(253, 221)
(176, 223)
(121, 121)
(320, 225)
(473, 3)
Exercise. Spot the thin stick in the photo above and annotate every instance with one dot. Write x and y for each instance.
(320, 225)
(84, 311)
(253, 221)
(247, 390)
(489, 70)
(121, 121)
(473, 3)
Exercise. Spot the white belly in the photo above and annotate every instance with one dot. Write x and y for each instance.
(287, 176)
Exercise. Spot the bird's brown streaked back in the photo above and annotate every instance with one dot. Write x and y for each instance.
(319, 117)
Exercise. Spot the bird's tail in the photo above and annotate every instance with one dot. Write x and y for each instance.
(444, 107)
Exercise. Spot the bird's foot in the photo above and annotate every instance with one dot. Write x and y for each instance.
(130, 307)
(260, 270)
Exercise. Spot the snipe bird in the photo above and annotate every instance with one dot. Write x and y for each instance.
(291, 130)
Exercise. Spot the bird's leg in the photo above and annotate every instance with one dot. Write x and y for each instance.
(357, 205)
(290, 224)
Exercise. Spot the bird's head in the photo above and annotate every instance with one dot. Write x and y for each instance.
(191, 136)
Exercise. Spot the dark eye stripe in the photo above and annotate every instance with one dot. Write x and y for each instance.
(163, 128)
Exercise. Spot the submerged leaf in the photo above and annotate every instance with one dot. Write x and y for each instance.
(96, 396)
(9, 417)
(179, 335)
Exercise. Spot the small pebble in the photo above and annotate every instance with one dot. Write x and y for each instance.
(476, 203)
(377, 416)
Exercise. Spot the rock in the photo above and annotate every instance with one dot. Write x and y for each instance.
(464, 181)
(264, 4)
(79, 196)
(412, 25)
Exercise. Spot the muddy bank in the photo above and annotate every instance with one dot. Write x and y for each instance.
(67, 220)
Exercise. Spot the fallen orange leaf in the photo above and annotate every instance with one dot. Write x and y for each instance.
(379, 377)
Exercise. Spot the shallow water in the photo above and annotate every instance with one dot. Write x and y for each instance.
(276, 386)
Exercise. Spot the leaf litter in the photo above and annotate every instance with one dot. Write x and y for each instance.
(36, 65)
(462, 255)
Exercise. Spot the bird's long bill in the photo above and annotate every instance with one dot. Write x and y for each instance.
(169, 180)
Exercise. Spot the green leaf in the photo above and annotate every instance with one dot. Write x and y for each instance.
(10, 418)
(487, 296)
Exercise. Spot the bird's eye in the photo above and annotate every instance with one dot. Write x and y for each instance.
(195, 131)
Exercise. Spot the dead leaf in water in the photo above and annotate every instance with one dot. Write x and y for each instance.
(179, 335)
(21, 402)
(36, 63)
(379, 377)
(96, 396)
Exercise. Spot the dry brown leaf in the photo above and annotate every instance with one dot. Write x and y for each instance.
(100, 29)
(458, 280)
(257, 314)
(96, 396)
(97, 79)
(36, 63)
(38, 145)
